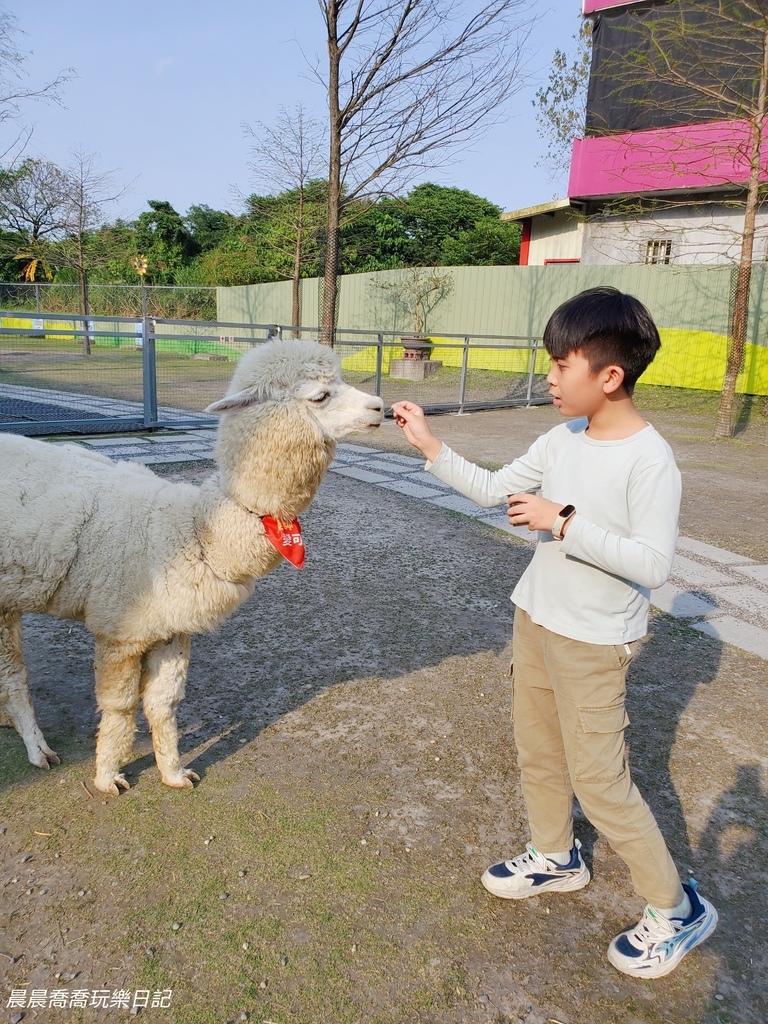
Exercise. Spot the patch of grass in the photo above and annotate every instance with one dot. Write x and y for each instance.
(315, 909)
(691, 401)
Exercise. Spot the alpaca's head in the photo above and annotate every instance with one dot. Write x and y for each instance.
(305, 375)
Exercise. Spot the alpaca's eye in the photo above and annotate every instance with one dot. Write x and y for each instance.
(322, 397)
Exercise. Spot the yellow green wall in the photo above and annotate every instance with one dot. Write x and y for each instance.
(690, 304)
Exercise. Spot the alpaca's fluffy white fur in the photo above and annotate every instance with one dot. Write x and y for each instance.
(144, 562)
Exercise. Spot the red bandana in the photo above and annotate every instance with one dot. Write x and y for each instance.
(286, 537)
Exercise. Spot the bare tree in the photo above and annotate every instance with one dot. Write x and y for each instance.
(33, 200)
(13, 90)
(406, 81)
(291, 158)
(88, 190)
(56, 211)
(415, 293)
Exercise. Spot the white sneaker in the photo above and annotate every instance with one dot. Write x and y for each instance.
(531, 874)
(656, 945)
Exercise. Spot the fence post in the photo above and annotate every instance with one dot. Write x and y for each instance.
(463, 381)
(529, 392)
(379, 360)
(149, 371)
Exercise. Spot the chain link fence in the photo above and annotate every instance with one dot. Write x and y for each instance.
(121, 300)
(66, 373)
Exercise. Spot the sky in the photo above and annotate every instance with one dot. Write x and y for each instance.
(162, 92)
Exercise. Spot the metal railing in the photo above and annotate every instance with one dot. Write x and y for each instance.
(66, 373)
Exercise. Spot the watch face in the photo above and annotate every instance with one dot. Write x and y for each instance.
(567, 511)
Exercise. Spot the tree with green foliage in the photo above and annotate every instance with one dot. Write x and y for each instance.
(11, 269)
(433, 225)
(373, 237)
(164, 241)
(53, 213)
(433, 213)
(235, 261)
(117, 243)
(490, 243)
(209, 227)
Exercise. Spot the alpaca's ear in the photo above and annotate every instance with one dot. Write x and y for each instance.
(231, 403)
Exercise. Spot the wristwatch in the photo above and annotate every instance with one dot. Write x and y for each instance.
(564, 515)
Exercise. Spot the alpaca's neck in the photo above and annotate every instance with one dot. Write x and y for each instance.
(272, 460)
(269, 465)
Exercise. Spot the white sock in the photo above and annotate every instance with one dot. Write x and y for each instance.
(682, 910)
(560, 857)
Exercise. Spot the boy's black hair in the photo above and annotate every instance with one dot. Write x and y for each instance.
(608, 327)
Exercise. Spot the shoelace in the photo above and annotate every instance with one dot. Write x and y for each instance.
(531, 858)
(652, 929)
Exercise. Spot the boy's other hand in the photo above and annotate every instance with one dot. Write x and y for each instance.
(533, 511)
(411, 418)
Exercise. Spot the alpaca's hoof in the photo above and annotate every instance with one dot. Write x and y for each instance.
(109, 785)
(183, 779)
(44, 757)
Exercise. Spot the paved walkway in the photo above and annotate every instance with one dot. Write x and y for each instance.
(722, 594)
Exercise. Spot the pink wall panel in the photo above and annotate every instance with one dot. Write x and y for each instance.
(669, 159)
(589, 6)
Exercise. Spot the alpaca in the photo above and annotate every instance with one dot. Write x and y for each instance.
(144, 562)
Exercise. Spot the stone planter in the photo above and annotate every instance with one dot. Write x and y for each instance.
(416, 347)
(417, 362)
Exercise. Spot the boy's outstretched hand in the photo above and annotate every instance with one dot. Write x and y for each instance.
(411, 418)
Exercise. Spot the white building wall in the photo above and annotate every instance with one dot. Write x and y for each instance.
(707, 234)
(555, 236)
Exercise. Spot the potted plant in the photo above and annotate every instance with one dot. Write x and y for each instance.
(414, 294)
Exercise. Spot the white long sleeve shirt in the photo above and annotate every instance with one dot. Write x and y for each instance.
(595, 584)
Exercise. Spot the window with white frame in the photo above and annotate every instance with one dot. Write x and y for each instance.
(658, 250)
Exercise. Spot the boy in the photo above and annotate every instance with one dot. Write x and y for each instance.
(603, 492)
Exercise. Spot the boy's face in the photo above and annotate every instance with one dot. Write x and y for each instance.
(575, 390)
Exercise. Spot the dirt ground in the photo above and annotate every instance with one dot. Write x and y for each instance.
(351, 727)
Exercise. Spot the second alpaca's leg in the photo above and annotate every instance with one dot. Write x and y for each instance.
(117, 671)
(163, 679)
(15, 704)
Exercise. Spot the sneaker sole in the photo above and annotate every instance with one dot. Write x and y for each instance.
(663, 969)
(568, 884)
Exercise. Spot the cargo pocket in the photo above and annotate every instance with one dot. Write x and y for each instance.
(601, 750)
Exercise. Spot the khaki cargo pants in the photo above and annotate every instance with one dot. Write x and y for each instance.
(569, 718)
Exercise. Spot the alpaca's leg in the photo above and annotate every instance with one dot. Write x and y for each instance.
(15, 704)
(117, 696)
(163, 678)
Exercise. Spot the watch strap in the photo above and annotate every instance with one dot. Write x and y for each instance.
(566, 513)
